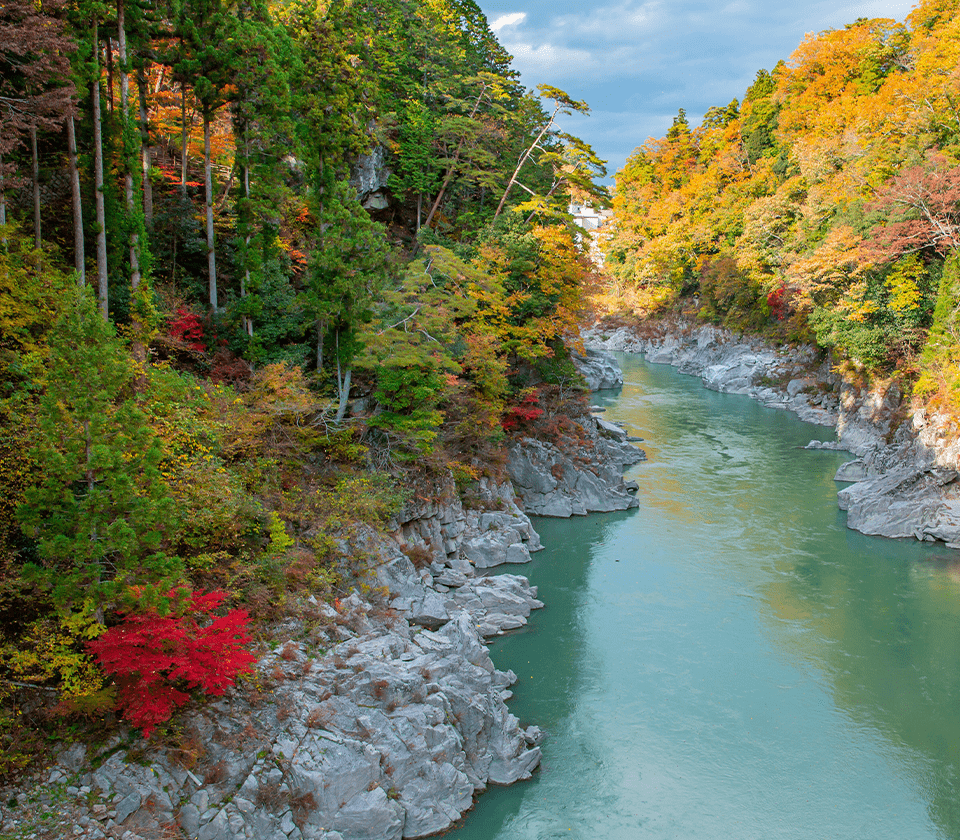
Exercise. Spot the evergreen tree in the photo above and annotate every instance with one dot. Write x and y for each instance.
(261, 111)
(100, 507)
(348, 266)
(562, 104)
(208, 55)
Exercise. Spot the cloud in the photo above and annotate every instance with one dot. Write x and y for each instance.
(565, 64)
(636, 62)
(508, 20)
(621, 23)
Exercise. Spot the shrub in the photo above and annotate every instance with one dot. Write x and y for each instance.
(188, 328)
(520, 416)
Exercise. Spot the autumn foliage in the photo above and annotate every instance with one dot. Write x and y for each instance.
(188, 328)
(157, 659)
(519, 416)
(819, 208)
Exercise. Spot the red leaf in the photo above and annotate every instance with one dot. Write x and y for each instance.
(156, 659)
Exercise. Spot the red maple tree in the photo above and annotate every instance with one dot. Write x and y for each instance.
(923, 203)
(188, 328)
(157, 659)
(521, 415)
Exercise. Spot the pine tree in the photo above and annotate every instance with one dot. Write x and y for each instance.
(562, 104)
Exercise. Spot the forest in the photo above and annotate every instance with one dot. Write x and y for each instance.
(263, 267)
(823, 207)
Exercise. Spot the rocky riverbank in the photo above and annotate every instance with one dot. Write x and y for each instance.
(380, 717)
(906, 479)
(553, 481)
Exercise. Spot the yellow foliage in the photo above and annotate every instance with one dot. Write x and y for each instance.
(30, 293)
(52, 649)
(822, 276)
(903, 283)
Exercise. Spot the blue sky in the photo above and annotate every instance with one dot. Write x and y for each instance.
(636, 63)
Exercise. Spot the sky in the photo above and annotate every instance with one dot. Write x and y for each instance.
(637, 63)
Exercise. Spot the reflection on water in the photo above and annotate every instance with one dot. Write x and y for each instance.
(730, 661)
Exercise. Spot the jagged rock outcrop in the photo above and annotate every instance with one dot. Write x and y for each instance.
(556, 482)
(388, 735)
(907, 502)
(463, 539)
(599, 370)
(380, 719)
(584, 476)
(906, 471)
(370, 178)
(906, 487)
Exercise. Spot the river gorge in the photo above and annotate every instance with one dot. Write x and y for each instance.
(719, 654)
(729, 659)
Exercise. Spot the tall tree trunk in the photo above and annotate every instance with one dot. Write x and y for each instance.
(130, 159)
(79, 258)
(208, 188)
(145, 148)
(102, 287)
(184, 138)
(36, 186)
(343, 385)
(110, 74)
(245, 280)
(128, 154)
(3, 205)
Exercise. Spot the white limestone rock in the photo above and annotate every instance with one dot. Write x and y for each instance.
(908, 502)
(599, 369)
(561, 484)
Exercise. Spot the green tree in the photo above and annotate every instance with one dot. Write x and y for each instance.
(100, 507)
(416, 172)
(208, 56)
(562, 104)
(347, 267)
(760, 111)
(261, 111)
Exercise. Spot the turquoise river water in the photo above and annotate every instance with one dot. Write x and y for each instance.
(730, 661)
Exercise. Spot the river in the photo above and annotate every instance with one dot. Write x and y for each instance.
(730, 661)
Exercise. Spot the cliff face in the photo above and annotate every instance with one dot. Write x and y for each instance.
(381, 717)
(906, 480)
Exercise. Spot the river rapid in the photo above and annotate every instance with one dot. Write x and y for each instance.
(730, 661)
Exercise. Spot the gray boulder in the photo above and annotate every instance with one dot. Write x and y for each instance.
(598, 368)
(552, 482)
(921, 503)
(409, 595)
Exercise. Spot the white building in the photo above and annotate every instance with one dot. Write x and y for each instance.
(590, 220)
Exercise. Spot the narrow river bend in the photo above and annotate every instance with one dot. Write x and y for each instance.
(730, 661)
